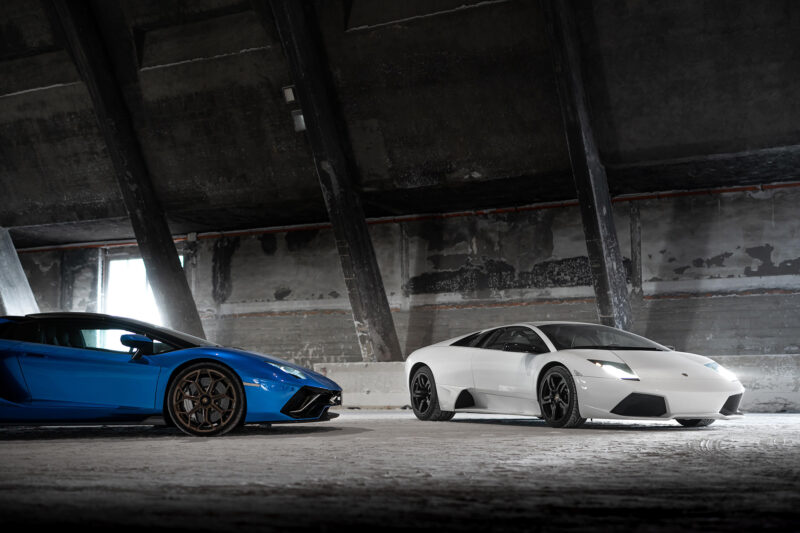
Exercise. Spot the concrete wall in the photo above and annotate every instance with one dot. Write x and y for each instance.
(720, 277)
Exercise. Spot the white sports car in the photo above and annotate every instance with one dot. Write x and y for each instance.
(566, 372)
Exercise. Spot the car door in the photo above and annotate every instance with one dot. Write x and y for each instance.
(81, 362)
(504, 365)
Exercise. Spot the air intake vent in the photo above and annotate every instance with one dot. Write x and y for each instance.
(464, 400)
(311, 402)
(731, 406)
(645, 405)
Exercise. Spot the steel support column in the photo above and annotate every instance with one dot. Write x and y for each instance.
(375, 329)
(16, 296)
(164, 271)
(605, 259)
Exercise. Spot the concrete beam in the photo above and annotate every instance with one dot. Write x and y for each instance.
(374, 325)
(16, 296)
(591, 183)
(153, 236)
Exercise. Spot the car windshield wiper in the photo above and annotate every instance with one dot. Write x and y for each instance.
(615, 347)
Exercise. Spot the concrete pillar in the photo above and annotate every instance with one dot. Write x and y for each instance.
(170, 288)
(605, 258)
(16, 296)
(372, 317)
(636, 251)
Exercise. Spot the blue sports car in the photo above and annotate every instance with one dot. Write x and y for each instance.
(90, 368)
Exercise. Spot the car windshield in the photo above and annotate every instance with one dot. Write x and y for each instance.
(578, 336)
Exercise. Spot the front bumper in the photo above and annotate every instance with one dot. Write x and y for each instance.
(272, 401)
(613, 398)
(311, 402)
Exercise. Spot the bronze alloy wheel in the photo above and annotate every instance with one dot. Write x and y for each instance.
(206, 399)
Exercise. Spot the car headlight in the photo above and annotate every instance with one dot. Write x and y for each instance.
(722, 371)
(289, 370)
(617, 370)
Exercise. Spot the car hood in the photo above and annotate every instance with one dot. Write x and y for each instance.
(650, 364)
(259, 357)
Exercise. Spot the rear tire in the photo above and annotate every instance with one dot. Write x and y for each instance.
(424, 400)
(558, 399)
(695, 422)
(205, 400)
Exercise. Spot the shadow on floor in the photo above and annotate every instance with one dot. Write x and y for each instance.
(18, 433)
(535, 422)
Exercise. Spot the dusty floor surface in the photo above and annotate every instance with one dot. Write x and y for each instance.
(384, 470)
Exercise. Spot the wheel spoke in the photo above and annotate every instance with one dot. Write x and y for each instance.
(421, 393)
(204, 400)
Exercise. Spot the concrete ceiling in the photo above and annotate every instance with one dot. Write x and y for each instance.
(448, 105)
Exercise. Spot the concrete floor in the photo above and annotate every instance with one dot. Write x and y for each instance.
(386, 469)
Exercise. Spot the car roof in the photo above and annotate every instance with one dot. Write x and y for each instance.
(158, 331)
(543, 323)
(64, 315)
(94, 316)
(69, 314)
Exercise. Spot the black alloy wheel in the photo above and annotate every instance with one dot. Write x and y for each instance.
(206, 399)
(424, 400)
(558, 399)
(695, 422)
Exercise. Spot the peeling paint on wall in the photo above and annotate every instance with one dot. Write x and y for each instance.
(221, 281)
(767, 267)
(282, 292)
(79, 280)
(493, 274)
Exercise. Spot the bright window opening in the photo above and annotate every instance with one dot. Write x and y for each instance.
(128, 292)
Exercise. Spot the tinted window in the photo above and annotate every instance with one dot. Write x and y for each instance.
(85, 335)
(522, 339)
(487, 340)
(577, 336)
(469, 340)
(517, 339)
(109, 340)
(19, 331)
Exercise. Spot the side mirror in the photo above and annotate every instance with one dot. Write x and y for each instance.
(143, 345)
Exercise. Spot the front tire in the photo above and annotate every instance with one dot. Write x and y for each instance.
(424, 400)
(695, 422)
(206, 400)
(558, 399)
